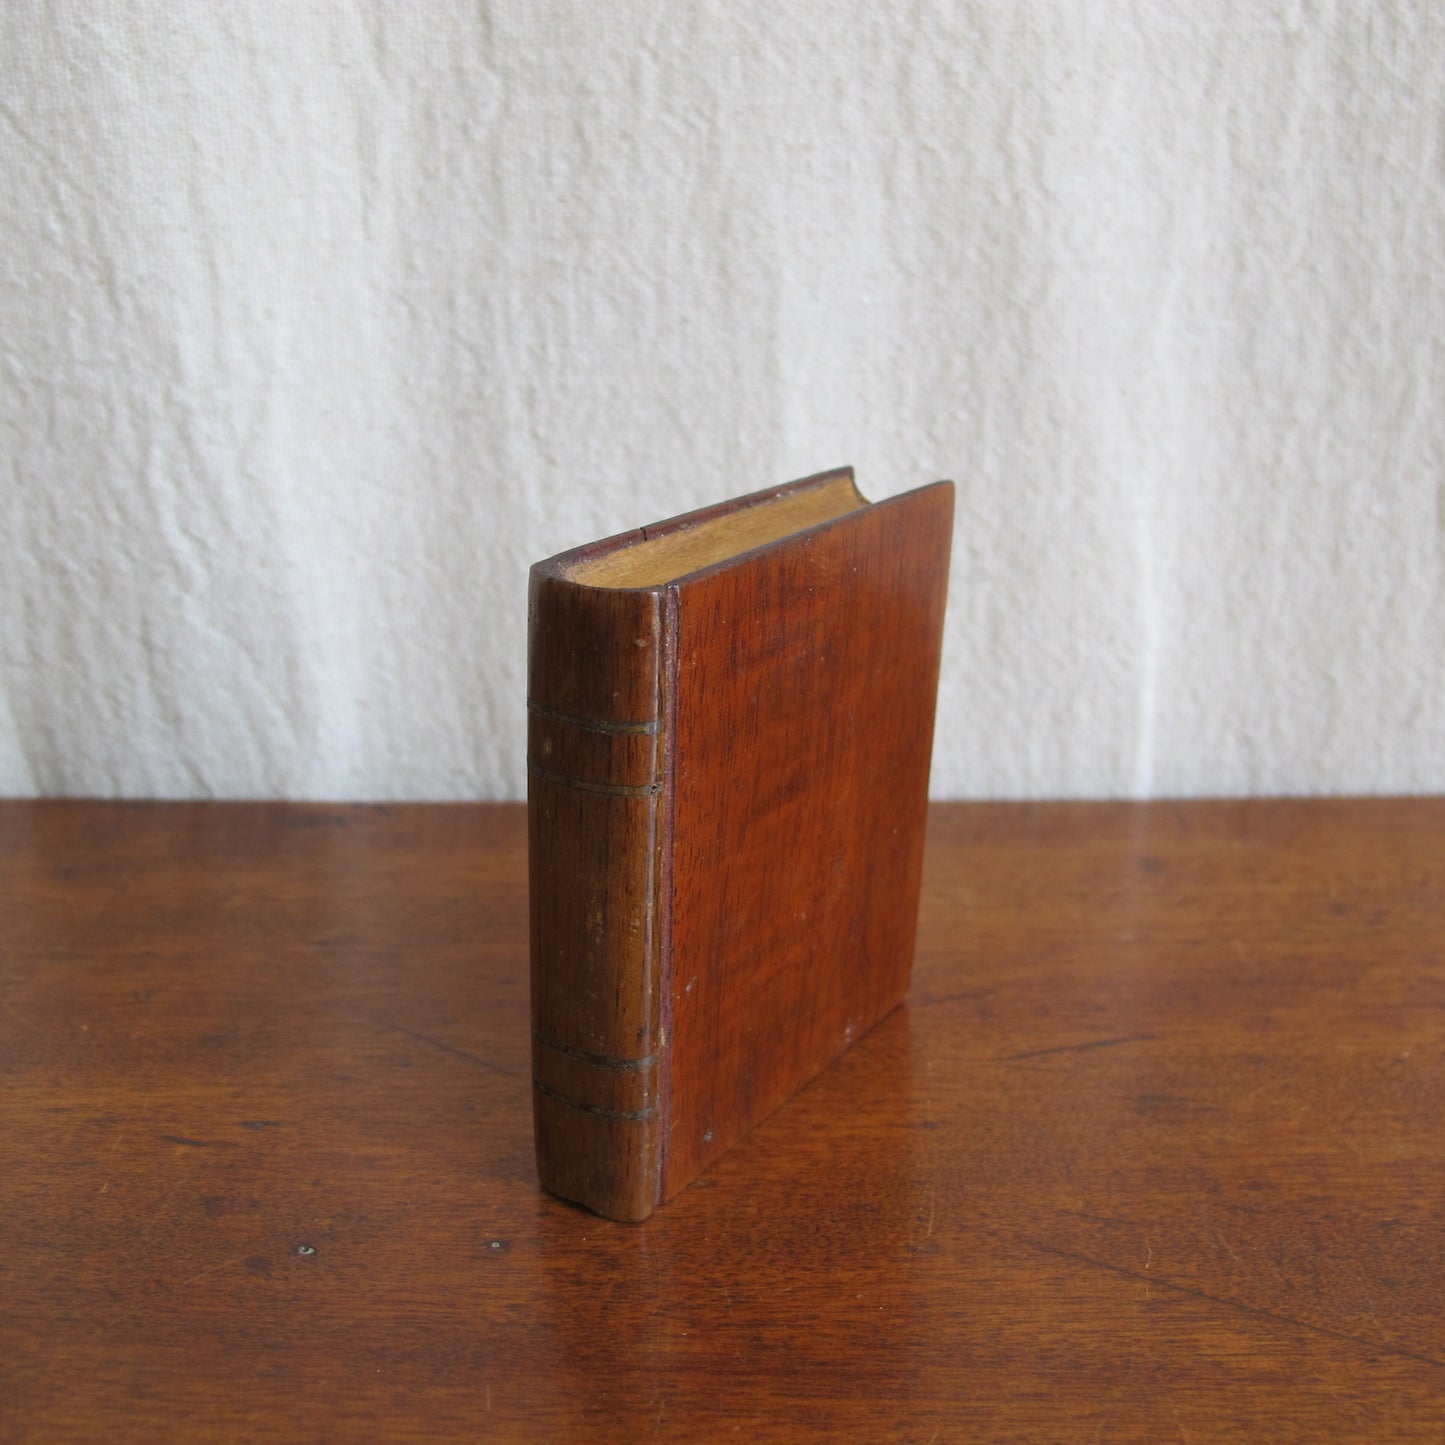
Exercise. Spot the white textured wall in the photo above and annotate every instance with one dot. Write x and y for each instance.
(319, 322)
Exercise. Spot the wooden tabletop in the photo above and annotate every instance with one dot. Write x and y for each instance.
(1155, 1150)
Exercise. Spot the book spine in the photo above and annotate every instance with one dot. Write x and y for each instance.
(595, 765)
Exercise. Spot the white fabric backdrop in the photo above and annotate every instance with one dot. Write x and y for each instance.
(321, 321)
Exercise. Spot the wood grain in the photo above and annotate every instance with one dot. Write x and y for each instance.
(594, 750)
(1153, 1151)
(728, 777)
(798, 788)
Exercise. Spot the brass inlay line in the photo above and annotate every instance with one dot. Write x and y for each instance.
(592, 724)
(626, 1114)
(617, 790)
(606, 1061)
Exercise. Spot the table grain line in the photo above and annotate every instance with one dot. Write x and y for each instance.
(1380, 1346)
(1075, 1048)
(444, 1047)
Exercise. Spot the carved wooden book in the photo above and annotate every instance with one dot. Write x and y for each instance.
(730, 721)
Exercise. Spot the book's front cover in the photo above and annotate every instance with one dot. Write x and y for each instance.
(800, 730)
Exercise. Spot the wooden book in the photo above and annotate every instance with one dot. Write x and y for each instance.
(730, 721)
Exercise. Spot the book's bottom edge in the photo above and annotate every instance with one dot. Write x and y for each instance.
(671, 1187)
(603, 1162)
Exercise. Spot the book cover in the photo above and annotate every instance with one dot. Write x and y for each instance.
(730, 718)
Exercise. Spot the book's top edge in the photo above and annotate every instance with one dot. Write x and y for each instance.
(561, 562)
(564, 564)
(907, 498)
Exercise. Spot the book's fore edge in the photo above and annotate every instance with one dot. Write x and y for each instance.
(561, 562)
(943, 562)
(945, 543)
(577, 1136)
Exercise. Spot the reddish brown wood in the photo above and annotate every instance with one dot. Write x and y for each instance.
(1153, 1151)
(806, 678)
(728, 782)
(594, 761)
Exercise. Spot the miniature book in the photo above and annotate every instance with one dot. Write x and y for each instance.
(730, 717)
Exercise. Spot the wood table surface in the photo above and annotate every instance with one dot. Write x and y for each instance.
(1155, 1150)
